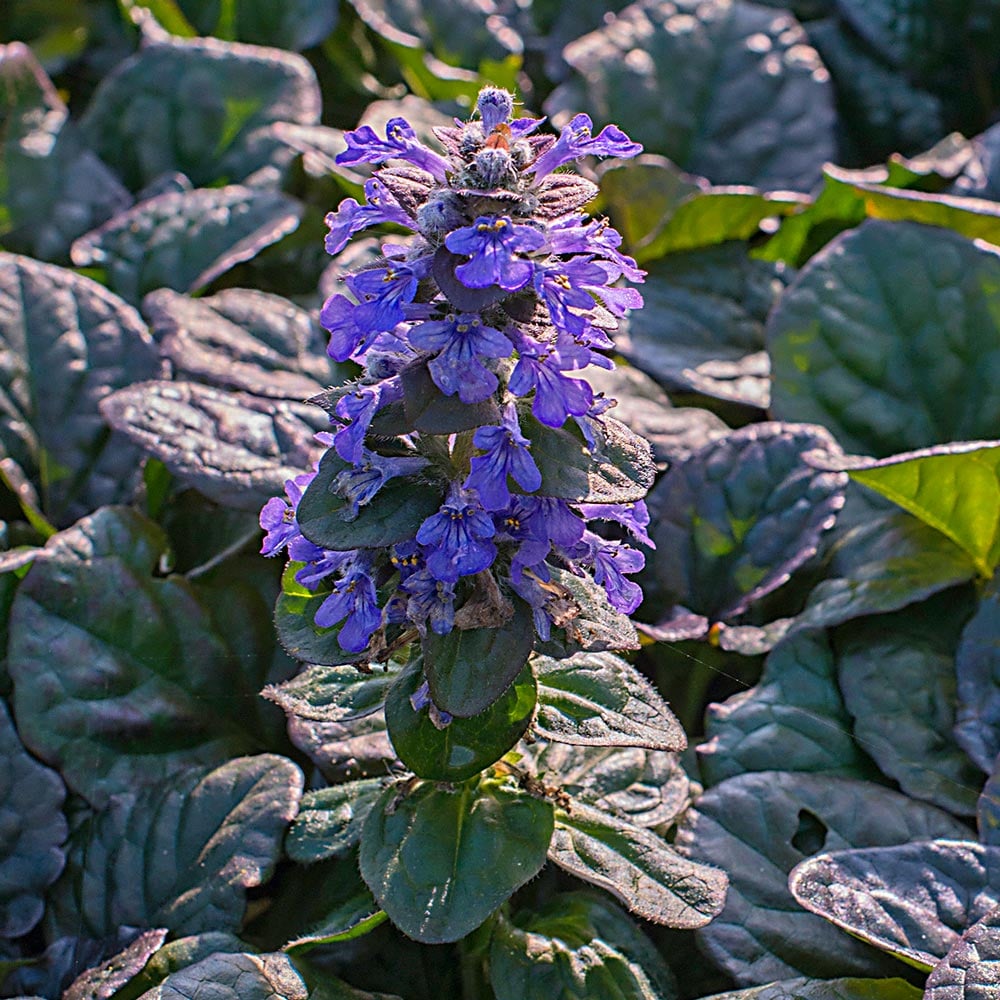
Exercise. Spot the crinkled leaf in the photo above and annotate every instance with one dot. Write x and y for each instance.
(122, 677)
(345, 750)
(759, 826)
(469, 669)
(885, 338)
(202, 107)
(441, 861)
(182, 854)
(646, 788)
(883, 564)
(330, 820)
(598, 699)
(184, 240)
(793, 720)
(618, 470)
(735, 519)
(988, 812)
(977, 722)
(67, 343)
(112, 975)
(297, 25)
(33, 831)
(463, 747)
(234, 976)
(828, 989)
(897, 674)
(333, 693)
(638, 867)
(764, 113)
(393, 515)
(52, 188)
(912, 901)
(702, 327)
(576, 945)
(242, 339)
(235, 448)
(971, 969)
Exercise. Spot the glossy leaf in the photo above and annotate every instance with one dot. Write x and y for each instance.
(120, 693)
(393, 515)
(971, 969)
(977, 719)
(794, 719)
(702, 327)
(759, 826)
(597, 699)
(735, 519)
(897, 674)
(184, 240)
(576, 945)
(67, 344)
(469, 669)
(236, 449)
(638, 867)
(735, 56)
(463, 747)
(330, 820)
(202, 107)
(34, 829)
(439, 862)
(181, 855)
(872, 340)
(235, 976)
(913, 901)
(301, 637)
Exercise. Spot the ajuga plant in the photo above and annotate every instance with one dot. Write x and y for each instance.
(473, 525)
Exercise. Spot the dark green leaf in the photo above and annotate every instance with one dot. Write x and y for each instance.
(52, 188)
(793, 720)
(345, 750)
(180, 855)
(111, 976)
(122, 691)
(441, 861)
(897, 673)
(176, 955)
(828, 989)
(201, 107)
(618, 470)
(242, 339)
(393, 515)
(977, 723)
(301, 637)
(33, 831)
(971, 969)
(736, 518)
(764, 113)
(469, 669)
(598, 699)
(638, 867)
(333, 693)
(68, 343)
(463, 747)
(184, 240)
(912, 901)
(234, 977)
(330, 820)
(576, 945)
(236, 449)
(702, 327)
(429, 411)
(759, 826)
(876, 336)
(297, 25)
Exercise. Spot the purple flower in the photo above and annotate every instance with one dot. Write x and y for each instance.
(338, 316)
(491, 242)
(462, 340)
(370, 473)
(556, 395)
(354, 602)
(506, 452)
(400, 143)
(430, 599)
(458, 539)
(612, 560)
(351, 218)
(320, 562)
(574, 235)
(634, 516)
(575, 140)
(277, 517)
(358, 408)
(383, 291)
(562, 285)
(495, 107)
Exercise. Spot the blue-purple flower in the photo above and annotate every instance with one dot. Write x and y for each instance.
(430, 599)
(351, 218)
(506, 452)
(355, 603)
(492, 242)
(371, 471)
(611, 561)
(400, 143)
(557, 396)
(576, 140)
(383, 291)
(277, 517)
(458, 538)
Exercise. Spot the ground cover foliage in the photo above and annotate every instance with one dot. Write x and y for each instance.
(774, 778)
